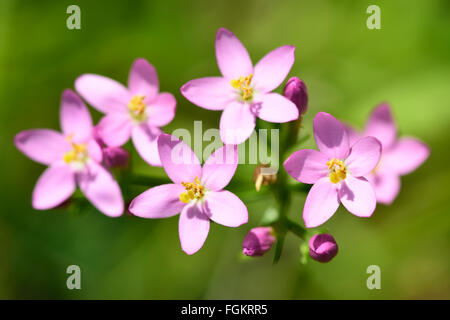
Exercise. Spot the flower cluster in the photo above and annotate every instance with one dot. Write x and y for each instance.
(352, 168)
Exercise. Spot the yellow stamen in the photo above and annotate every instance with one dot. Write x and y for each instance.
(194, 190)
(78, 153)
(137, 108)
(243, 85)
(338, 170)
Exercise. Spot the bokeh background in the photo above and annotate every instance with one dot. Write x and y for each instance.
(348, 70)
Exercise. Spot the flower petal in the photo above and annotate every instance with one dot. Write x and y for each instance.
(381, 125)
(232, 57)
(179, 161)
(364, 156)
(74, 117)
(353, 134)
(54, 186)
(273, 107)
(145, 139)
(236, 123)
(158, 202)
(321, 203)
(220, 167)
(161, 110)
(405, 156)
(100, 188)
(273, 68)
(143, 79)
(225, 208)
(386, 186)
(193, 228)
(42, 145)
(358, 196)
(212, 93)
(94, 151)
(330, 136)
(307, 166)
(104, 94)
(115, 129)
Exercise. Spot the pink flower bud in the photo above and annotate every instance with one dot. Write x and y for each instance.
(258, 241)
(295, 90)
(322, 247)
(115, 157)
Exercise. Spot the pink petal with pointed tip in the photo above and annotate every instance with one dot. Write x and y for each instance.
(236, 123)
(273, 107)
(405, 156)
(54, 186)
(225, 208)
(104, 94)
(178, 160)
(307, 166)
(100, 188)
(357, 196)
(330, 136)
(115, 129)
(159, 202)
(220, 167)
(321, 203)
(212, 93)
(143, 79)
(74, 117)
(364, 156)
(232, 57)
(193, 228)
(42, 145)
(145, 140)
(381, 125)
(161, 110)
(273, 68)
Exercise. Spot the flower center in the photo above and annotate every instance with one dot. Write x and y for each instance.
(137, 108)
(337, 169)
(194, 190)
(243, 86)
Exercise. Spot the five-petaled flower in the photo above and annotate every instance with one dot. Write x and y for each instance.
(244, 91)
(196, 192)
(137, 111)
(337, 171)
(399, 156)
(73, 157)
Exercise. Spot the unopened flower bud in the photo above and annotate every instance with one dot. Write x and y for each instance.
(263, 175)
(115, 157)
(322, 247)
(258, 241)
(295, 90)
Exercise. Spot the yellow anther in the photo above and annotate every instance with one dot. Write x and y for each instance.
(338, 170)
(194, 190)
(243, 85)
(137, 104)
(78, 153)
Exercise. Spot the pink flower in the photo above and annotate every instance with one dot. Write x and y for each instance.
(337, 171)
(137, 111)
(196, 192)
(322, 247)
(258, 241)
(73, 158)
(399, 156)
(244, 91)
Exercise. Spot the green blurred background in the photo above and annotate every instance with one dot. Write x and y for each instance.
(348, 70)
